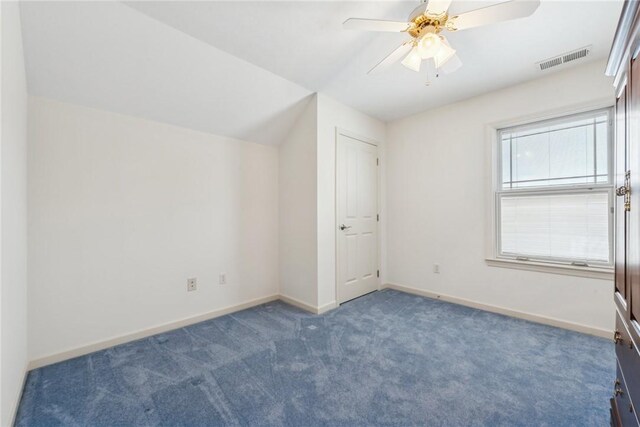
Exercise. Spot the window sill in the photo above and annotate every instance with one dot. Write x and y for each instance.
(567, 270)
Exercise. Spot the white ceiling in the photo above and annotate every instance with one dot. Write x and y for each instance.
(493, 57)
(245, 68)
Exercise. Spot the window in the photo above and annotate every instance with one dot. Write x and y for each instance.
(554, 195)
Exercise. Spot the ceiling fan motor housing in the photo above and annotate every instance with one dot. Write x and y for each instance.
(423, 22)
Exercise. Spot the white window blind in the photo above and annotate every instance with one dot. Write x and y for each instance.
(554, 195)
(573, 226)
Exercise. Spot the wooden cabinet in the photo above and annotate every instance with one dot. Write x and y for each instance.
(624, 65)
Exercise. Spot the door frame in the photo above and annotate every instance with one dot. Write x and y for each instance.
(343, 132)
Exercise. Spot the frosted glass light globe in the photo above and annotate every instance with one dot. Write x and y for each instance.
(444, 54)
(413, 60)
(429, 45)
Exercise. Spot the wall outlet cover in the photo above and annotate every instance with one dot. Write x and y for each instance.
(192, 284)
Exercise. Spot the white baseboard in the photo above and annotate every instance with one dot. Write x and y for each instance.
(101, 345)
(327, 307)
(308, 307)
(506, 311)
(297, 303)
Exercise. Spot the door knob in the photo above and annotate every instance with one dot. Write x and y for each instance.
(621, 191)
(625, 191)
(344, 227)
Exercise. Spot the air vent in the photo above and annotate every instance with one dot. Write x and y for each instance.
(564, 58)
(550, 63)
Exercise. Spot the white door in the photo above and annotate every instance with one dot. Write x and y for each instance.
(357, 217)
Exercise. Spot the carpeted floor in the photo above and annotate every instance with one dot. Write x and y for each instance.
(388, 358)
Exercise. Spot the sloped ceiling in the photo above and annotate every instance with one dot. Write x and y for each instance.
(109, 56)
(245, 69)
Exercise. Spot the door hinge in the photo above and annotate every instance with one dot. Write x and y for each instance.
(378, 273)
(377, 162)
(378, 217)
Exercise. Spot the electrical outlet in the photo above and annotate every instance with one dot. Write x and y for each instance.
(436, 268)
(192, 284)
(223, 279)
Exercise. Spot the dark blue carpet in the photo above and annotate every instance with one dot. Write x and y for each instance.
(388, 358)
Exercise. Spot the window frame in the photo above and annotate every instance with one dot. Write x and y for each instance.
(495, 256)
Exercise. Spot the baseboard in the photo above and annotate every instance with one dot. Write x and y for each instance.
(327, 307)
(16, 406)
(101, 345)
(603, 333)
(297, 303)
(308, 307)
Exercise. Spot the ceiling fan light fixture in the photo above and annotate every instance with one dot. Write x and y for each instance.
(413, 60)
(429, 45)
(428, 20)
(452, 65)
(445, 53)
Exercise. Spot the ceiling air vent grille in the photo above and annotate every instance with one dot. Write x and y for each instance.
(550, 63)
(564, 58)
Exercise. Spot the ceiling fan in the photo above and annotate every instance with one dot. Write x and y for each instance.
(425, 24)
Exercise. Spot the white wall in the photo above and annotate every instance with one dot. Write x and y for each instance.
(307, 198)
(297, 195)
(332, 114)
(437, 195)
(123, 210)
(13, 227)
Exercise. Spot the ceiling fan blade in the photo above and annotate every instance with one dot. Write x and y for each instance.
(438, 7)
(419, 10)
(392, 58)
(431, 7)
(506, 11)
(375, 25)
